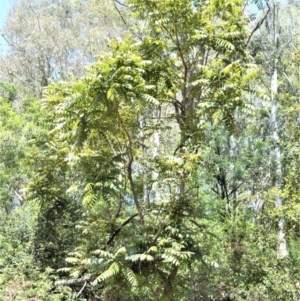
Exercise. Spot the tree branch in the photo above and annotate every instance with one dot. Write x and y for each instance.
(258, 25)
(121, 3)
(120, 14)
(86, 279)
(129, 170)
(78, 281)
(235, 189)
(120, 228)
(81, 290)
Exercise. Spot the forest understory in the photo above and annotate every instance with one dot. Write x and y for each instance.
(150, 150)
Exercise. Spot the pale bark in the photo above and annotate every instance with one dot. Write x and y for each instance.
(155, 174)
(144, 167)
(155, 154)
(273, 37)
(77, 281)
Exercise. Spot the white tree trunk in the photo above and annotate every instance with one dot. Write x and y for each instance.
(155, 153)
(273, 36)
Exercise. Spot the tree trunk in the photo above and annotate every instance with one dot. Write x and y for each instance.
(274, 39)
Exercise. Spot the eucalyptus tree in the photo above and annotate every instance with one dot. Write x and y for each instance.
(273, 46)
(51, 40)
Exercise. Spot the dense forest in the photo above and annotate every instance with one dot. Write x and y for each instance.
(149, 150)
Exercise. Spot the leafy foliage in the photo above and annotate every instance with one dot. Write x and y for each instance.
(153, 176)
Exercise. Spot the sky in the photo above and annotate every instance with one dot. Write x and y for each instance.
(4, 5)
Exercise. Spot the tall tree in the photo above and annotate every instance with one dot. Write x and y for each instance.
(271, 44)
(192, 68)
(54, 40)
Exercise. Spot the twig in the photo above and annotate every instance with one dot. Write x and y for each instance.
(81, 290)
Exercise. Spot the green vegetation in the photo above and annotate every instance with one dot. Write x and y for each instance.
(157, 160)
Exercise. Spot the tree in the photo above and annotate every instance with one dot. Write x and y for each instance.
(192, 69)
(153, 176)
(271, 45)
(54, 40)
(16, 129)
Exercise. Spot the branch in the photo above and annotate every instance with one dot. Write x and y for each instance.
(120, 202)
(159, 229)
(216, 192)
(129, 169)
(84, 280)
(120, 15)
(204, 226)
(133, 190)
(179, 110)
(258, 25)
(81, 290)
(19, 197)
(235, 189)
(120, 228)
(78, 281)
(121, 3)
(180, 146)
(283, 47)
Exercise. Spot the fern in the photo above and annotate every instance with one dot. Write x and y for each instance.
(130, 276)
(153, 249)
(120, 253)
(113, 270)
(72, 260)
(90, 199)
(141, 257)
(150, 99)
(104, 254)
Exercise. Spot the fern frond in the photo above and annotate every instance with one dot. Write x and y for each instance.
(65, 269)
(72, 260)
(152, 249)
(130, 276)
(93, 261)
(120, 252)
(140, 257)
(114, 269)
(149, 99)
(103, 254)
